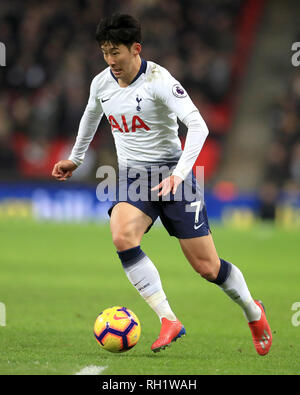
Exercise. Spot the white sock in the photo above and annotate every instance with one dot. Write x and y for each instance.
(144, 276)
(236, 288)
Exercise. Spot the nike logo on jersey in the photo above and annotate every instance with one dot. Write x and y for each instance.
(198, 226)
(104, 100)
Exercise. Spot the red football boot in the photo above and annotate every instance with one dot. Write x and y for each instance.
(170, 331)
(261, 332)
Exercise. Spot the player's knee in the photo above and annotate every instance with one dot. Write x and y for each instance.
(207, 269)
(123, 239)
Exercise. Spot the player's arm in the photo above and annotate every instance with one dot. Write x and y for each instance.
(173, 95)
(195, 138)
(197, 132)
(87, 129)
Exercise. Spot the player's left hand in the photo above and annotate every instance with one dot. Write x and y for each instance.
(169, 184)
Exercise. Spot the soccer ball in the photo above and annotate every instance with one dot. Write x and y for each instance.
(117, 329)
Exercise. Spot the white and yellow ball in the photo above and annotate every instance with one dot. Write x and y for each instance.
(117, 329)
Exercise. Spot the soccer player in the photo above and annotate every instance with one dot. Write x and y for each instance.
(142, 102)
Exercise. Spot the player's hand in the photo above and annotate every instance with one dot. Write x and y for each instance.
(63, 170)
(169, 184)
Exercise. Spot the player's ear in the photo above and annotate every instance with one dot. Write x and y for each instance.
(136, 48)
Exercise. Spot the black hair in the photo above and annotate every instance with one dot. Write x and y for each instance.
(119, 29)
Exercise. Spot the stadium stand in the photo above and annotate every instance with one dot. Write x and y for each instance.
(52, 57)
(282, 167)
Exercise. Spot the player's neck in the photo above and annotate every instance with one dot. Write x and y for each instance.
(130, 76)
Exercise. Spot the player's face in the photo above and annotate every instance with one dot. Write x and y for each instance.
(121, 59)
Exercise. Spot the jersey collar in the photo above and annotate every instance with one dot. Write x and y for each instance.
(142, 70)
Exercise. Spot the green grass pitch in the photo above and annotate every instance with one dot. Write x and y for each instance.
(56, 278)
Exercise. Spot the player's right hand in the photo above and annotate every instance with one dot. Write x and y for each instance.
(63, 170)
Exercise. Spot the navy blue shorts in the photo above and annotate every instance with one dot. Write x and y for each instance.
(183, 215)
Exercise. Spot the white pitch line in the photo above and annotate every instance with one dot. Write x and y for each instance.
(91, 370)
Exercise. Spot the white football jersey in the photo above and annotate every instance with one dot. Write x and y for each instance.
(143, 116)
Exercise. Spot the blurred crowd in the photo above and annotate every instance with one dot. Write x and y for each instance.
(282, 172)
(52, 57)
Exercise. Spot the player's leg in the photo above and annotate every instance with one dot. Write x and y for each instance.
(202, 255)
(128, 225)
